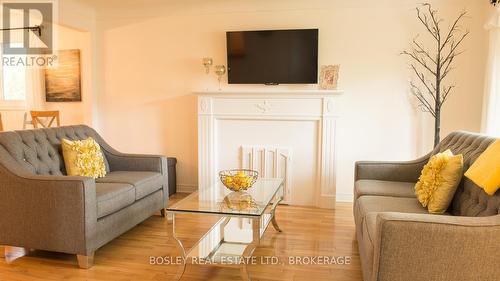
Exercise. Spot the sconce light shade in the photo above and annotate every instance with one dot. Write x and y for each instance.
(220, 70)
(207, 62)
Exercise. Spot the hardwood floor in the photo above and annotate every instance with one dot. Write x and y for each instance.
(306, 232)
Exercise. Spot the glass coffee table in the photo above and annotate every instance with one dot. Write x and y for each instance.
(244, 218)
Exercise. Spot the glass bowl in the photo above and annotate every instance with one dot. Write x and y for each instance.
(238, 179)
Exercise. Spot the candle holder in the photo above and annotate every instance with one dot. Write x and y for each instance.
(207, 62)
(220, 70)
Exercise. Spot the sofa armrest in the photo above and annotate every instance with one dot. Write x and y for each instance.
(55, 213)
(136, 162)
(408, 171)
(433, 247)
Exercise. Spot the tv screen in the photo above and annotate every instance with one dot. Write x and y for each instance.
(273, 57)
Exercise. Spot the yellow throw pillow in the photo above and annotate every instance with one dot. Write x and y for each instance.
(83, 158)
(439, 181)
(485, 171)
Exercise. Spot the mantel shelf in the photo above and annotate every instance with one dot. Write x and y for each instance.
(269, 92)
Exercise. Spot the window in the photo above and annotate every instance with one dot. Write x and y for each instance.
(13, 84)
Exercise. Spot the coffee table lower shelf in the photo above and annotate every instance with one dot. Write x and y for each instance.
(231, 241)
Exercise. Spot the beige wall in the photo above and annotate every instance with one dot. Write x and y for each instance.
(71, 113)
(141, 61)
(76, 112)
(150, 61)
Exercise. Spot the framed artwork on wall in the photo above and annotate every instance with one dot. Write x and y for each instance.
(329, 76)
(62, 81)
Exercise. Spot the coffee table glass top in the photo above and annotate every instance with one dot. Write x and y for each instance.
(219, 200)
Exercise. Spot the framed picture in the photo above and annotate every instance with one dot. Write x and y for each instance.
(62, 81)
(329, 77)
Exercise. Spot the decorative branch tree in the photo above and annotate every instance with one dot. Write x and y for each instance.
(432, 67)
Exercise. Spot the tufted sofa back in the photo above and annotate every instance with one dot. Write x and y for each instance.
(470, 200)
(39, 151)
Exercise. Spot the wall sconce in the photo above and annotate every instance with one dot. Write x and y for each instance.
(220, 70)
(207, 62)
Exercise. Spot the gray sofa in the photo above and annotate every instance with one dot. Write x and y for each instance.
(399, 240)
(42, 208)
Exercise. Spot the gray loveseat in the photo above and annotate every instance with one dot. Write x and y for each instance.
(399, 240)
(42, 208)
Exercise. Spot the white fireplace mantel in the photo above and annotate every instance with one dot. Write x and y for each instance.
(270, 91)
(306, 114)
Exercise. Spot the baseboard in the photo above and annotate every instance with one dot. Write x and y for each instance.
(186, 188)
(345, 197)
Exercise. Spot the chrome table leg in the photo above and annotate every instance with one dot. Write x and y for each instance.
(178, 243)
(273, 213)
(250, 248)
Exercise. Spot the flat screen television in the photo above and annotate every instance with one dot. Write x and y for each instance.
(273, 56)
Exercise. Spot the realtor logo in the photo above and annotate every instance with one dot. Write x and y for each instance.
(27, 28)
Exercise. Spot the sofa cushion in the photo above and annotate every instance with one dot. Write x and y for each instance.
(384, 188)
(83, 158)
(470, 199)
(485, 171)
(439, 181)
(112, 197)
(145, 183)
(368, 204)
(39, 151)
